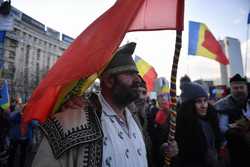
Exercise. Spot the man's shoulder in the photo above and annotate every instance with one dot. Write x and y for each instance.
(72, 126)
(223, 103)
(78, 106)
(223, 100)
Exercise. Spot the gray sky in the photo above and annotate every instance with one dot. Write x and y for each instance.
(223, 18)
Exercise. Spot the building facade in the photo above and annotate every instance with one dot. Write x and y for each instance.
(28, 52)
(232, 49)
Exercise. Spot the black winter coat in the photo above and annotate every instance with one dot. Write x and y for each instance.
(190, 137)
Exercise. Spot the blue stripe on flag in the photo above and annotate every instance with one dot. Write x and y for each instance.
(193, 36)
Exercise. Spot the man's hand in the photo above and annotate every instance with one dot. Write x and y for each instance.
(171, 149)
(241, 123)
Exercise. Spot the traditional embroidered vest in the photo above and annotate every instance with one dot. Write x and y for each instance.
(73, 128)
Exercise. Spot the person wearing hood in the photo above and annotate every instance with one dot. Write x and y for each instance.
(197, 130)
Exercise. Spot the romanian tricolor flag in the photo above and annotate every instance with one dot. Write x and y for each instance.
(147, 72)
(5, 97)
(203, 43)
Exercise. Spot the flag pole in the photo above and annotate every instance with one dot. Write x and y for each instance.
(173, 114)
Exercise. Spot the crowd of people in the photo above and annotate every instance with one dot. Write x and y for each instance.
(121, 126)
(16, 149)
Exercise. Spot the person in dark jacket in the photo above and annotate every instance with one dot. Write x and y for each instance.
(234, 116)
(197, 131)
(20, 145)
(159, 123)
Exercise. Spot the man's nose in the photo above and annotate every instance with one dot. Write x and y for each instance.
(203, 103)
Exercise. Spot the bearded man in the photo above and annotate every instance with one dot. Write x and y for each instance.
(234, 117)
(100, 130)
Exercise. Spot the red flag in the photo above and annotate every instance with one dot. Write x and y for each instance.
(149, 78)
(92, 49)
(159, 15)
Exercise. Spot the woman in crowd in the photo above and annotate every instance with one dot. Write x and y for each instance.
(197, 131)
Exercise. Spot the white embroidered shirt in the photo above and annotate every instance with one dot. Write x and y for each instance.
(123, 145)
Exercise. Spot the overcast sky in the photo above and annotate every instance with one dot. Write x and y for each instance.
(223, 18)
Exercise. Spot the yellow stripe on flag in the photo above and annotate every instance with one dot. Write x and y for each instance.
(143, 67)
(90, 80)
(62, 95)
(200, 49)
(164, 89)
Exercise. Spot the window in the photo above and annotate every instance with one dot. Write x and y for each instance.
(37, 73)
(38, 54)
(12, 55)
